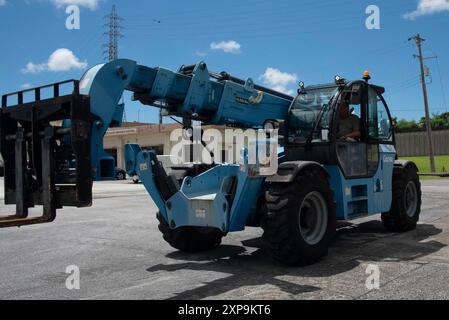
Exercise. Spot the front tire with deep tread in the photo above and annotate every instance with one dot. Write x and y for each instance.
(404, 213)
(190, 239)
(281, 223)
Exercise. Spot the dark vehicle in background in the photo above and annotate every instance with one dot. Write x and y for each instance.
(2, 168)
(120, 174)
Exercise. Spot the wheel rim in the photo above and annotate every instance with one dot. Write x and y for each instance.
(313, 218)
(411, 199)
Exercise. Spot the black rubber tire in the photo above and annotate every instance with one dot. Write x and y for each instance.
(190, 239)
(397, 219)
(281, 221)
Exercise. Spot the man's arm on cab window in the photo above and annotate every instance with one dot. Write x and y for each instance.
(355, 134)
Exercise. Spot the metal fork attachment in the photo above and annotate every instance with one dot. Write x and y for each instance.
(45, 146)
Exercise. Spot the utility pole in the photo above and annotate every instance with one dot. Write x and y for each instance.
(418, 41)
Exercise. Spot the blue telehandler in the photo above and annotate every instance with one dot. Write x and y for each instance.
(52, 148)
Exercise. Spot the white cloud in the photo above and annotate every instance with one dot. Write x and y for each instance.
(91, 4)
(2, 3)
(227, 46)
(283, 90)
(64, 60)
(278, 80)
(34, 68)
(200, 54)
(61, 60)
(26, 86)
(426, 7)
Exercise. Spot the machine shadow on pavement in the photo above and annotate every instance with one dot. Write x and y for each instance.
(353, 244)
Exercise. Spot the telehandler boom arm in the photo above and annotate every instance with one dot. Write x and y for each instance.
(53, 147)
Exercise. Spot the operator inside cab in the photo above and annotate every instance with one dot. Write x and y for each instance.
(349, 124)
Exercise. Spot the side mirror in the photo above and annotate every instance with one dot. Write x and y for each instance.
(282, 132)
(277, 125)
(356, 97)
(282, 128)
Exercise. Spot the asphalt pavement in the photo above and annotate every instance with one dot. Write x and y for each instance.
(120, 254)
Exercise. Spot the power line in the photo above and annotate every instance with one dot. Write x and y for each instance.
(441, 83)
(413, 110)
(243, 10)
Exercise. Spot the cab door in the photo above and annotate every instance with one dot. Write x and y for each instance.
(352, 155)
(381, 150)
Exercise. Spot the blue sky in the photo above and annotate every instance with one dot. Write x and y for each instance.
(277, 43)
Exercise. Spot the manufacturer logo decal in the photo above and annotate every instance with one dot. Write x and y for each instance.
(200, 213)
(241, 100)
(388, 159)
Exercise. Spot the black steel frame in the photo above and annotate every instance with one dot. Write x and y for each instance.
(45, 162)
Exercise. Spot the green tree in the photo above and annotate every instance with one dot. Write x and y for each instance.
(404, 125)
(437, 121)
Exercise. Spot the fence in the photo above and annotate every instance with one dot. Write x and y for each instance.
(411, 144)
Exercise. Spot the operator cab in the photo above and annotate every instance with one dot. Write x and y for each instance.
(339, 124)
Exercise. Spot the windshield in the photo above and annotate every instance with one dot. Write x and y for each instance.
(310, 109)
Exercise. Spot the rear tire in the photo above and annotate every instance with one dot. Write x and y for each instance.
(190, 239)
(301, 220)
(406, 203)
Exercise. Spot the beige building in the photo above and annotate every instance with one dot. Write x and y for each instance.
(152, 136)
(148, 136)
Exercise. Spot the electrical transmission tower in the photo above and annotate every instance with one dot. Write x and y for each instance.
(113, 32)
(114, 27)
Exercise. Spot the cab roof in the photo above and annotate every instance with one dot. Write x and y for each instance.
(378, 89)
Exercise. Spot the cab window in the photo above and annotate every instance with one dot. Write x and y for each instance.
(379, 124)
(309, 117)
